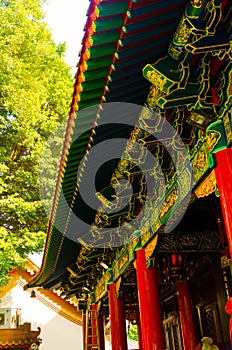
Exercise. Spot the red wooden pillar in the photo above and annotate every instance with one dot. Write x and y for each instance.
(228, 309)
(223, 173)
(101, 332)
(117, 320)
(185, 312)
(149, 303)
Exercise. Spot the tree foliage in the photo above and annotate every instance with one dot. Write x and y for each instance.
(35, 88)
(133, 332)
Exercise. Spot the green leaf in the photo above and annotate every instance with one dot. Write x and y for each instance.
(35, 89)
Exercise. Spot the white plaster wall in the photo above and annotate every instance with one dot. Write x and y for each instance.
(56, 331)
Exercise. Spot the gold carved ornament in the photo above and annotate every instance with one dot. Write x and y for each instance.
(153, 96)
(169, 203)
(100, 289)
(207, 187)
(156, 79)
(197, 3)
(123, 261)
(145, 232)
(202, 163)
(150, 248)
(118, 284)
(212, 139)
(182, 33)
(227, 125)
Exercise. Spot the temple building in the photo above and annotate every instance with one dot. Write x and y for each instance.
(140, 229)
(35, 319)
(21, 338)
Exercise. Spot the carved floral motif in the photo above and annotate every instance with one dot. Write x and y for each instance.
(123, 261)
(182, 33)
(150, 248)
(212, 139)
(197, 3)
(169, 202)
(207, 187)
(156, 79)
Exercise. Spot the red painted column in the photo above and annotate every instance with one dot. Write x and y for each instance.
(101, 332)
(117, 320)
(149, 303)
(185, 312)
(228, 309)
(223, 173)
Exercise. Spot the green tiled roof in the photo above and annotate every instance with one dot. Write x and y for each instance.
(120, 38)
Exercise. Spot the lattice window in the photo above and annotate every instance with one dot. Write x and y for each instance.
(172, 332)
(211, 322)
(176, 336)
(170, 338)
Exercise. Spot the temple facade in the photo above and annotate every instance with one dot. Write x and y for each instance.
(141, 221)
(35, 320)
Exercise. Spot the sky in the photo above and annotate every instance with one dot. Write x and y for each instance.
(66, 19)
